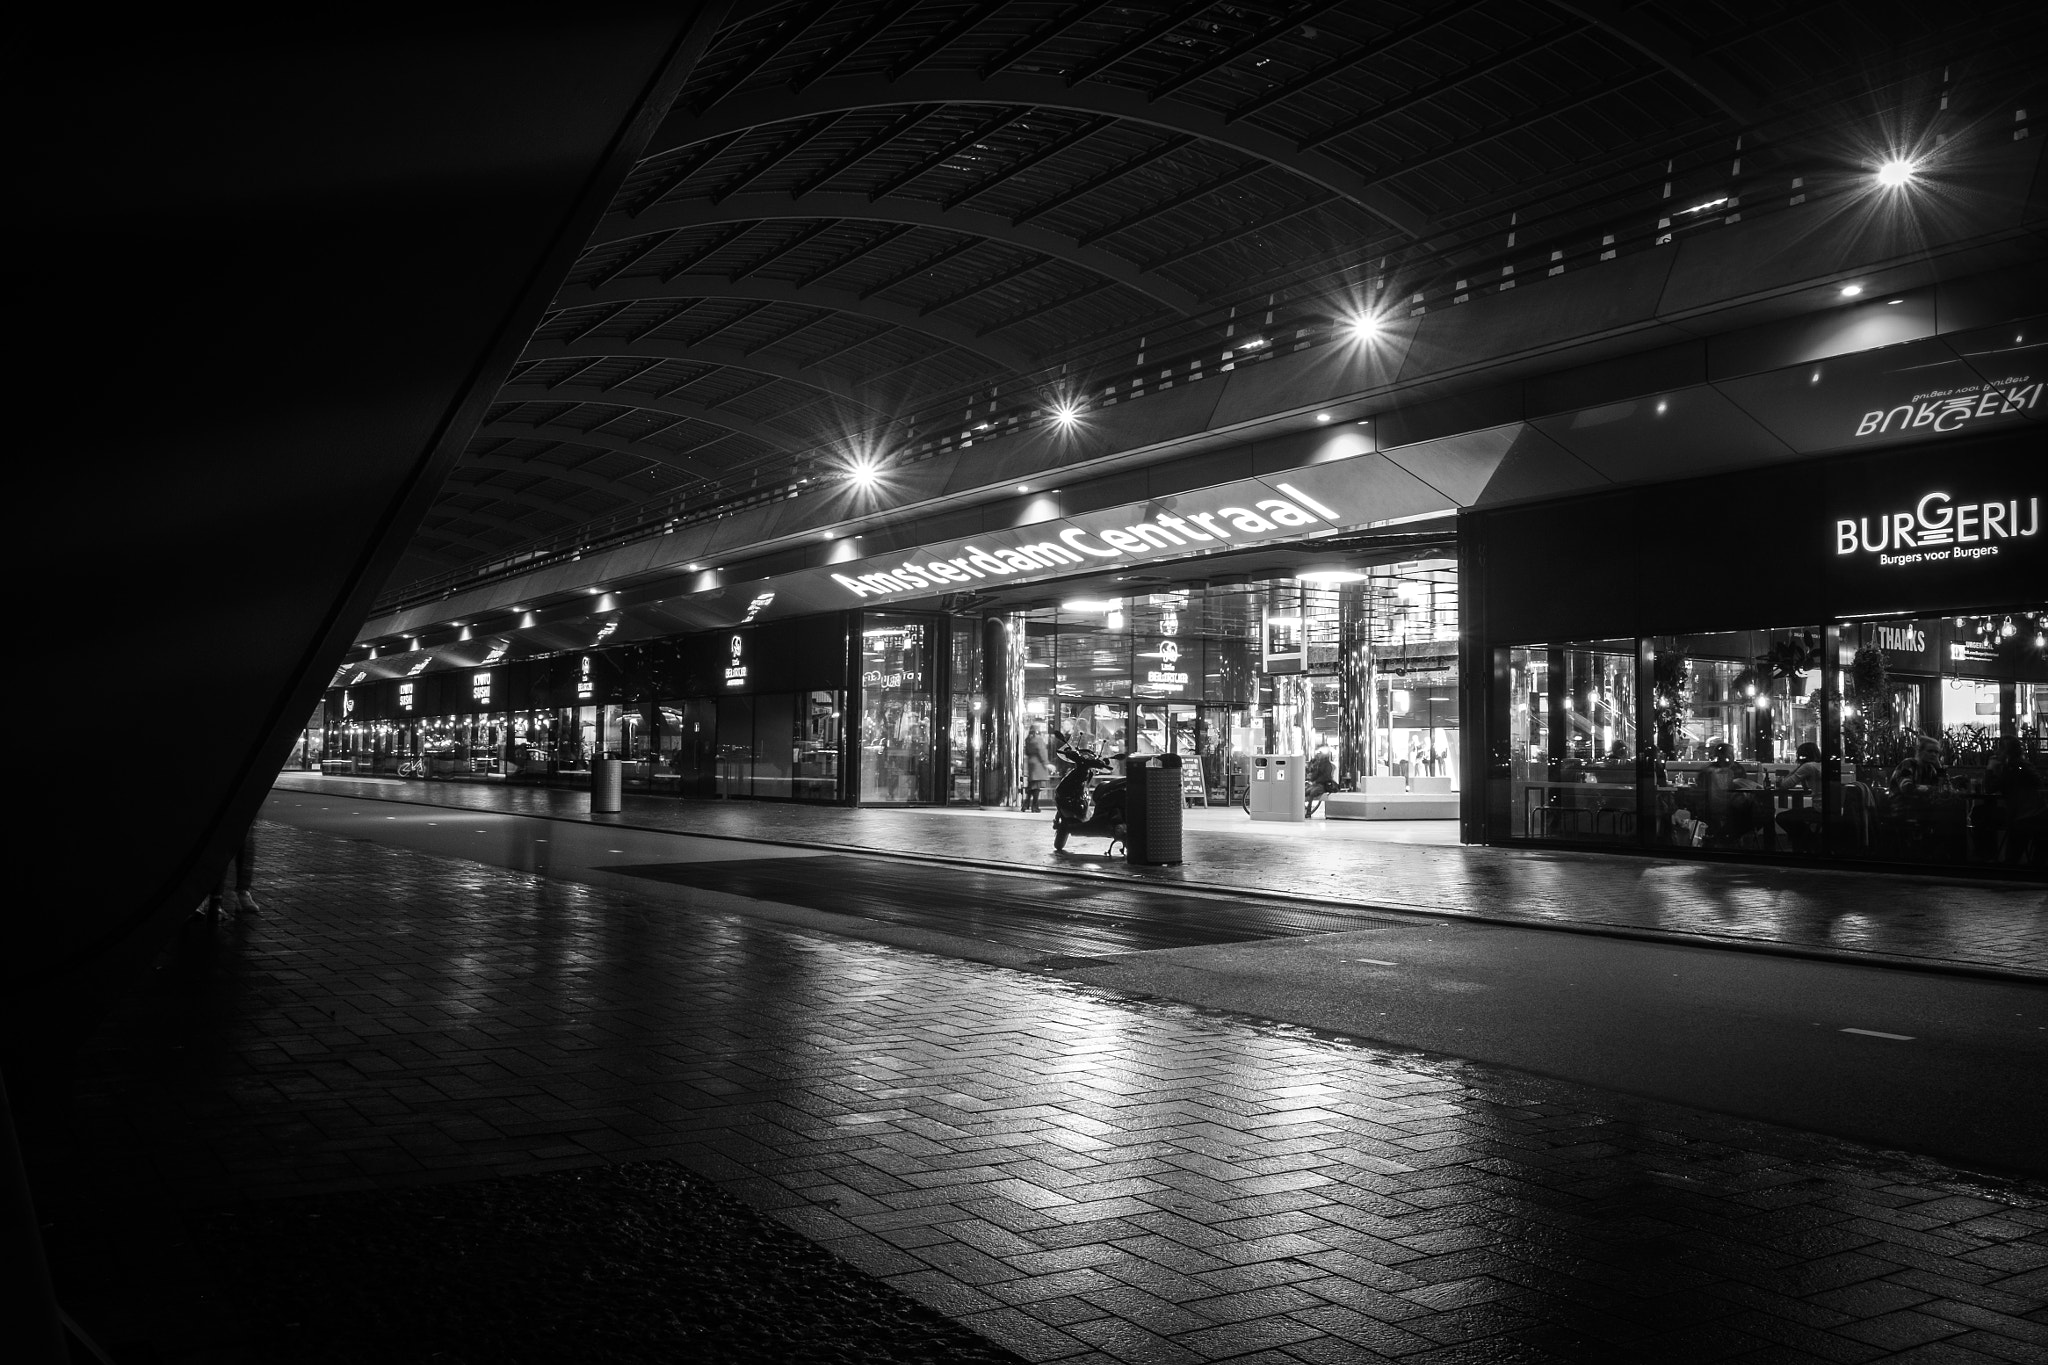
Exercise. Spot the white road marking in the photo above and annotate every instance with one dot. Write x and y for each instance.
(1873, 1033)
(1376, 961)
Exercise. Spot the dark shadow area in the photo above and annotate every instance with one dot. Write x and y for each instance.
(641, 1262)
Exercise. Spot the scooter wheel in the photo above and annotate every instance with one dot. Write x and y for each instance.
(1059, 838)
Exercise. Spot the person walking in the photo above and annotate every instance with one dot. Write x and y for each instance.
(1037, 767)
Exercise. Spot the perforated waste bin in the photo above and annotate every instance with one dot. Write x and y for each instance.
(1152, 809)
(607, 786)
(1279, 786)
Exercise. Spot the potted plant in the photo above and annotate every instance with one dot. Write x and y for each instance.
(1867, 722)
(1671, 697)
(1792, 657)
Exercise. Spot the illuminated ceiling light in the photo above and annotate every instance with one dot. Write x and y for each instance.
(1322, 417)
(1850, 291)
(1363, 327)
(1087, 604)
(1330, 576)
(1065, 413)
(1023, 488)
(1893, 303)
(1895, 172)
(863, 472)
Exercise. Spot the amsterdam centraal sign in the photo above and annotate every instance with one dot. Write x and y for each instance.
(1287, 511)
(1296, 505)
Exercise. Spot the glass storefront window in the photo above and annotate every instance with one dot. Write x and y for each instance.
(1571, 723)
(897, 667)
(964, 740)
(736, 746)
(1913, 740)
(818, 729)
(1941, 739)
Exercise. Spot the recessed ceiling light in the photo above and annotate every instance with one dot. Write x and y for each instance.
(1889, 302)
(1023, 488)
(1850, 291)
(1322, 417)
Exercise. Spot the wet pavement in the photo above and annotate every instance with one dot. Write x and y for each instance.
(1072, 1173)
(2002, 926)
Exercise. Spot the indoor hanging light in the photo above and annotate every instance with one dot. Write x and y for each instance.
(2008, 630)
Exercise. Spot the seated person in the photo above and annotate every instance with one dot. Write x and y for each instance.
(1802, 823)
(1724, 802)
(2016, 818)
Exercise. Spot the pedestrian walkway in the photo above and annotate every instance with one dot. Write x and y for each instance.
(1075, 1175)
(2001, 926)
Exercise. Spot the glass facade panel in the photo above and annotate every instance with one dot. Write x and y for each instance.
(690, 745)
(775, 744)
(965, 741)
(736, 746)
(897, 666)
(1570, 717)
(818, 728)
(1941, 738)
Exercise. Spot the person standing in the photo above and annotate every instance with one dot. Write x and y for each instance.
(243, 867)
(1037, 767)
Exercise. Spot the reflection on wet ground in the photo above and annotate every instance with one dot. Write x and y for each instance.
(2000, 925)
(1073, 1174)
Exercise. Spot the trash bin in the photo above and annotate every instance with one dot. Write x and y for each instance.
(1279, 787)
(607, 786)
(1152, 809)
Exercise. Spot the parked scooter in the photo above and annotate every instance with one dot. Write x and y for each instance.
(1079, 810)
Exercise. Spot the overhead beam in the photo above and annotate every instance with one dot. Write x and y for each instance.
(728, 357)
(674, 214)
(844, 93)
(491, 519)
(505, 464)
(455, 538)
(674, 407)
(509, 495)
(1667, 47)
(597, 440)
(643, 289)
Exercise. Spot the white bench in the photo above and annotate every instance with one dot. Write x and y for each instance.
(1394, 798)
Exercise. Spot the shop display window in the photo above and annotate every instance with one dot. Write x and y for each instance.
(818, 730)
(1941, 725)
(736, 746)
(965, 742)
(1571, 750)
(1915, 740)
(1737, 739)
(898, 660)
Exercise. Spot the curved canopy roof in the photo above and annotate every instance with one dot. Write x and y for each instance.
(864, 220)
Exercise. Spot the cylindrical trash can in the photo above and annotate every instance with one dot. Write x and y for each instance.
(1152, 809)
(607, 786)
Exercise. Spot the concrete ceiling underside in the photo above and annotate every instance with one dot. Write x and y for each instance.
(867, 225)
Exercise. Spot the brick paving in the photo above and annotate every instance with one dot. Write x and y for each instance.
(1074, 1174)
(1998, 925)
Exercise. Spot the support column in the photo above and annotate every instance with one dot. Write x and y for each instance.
(1002, 755)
